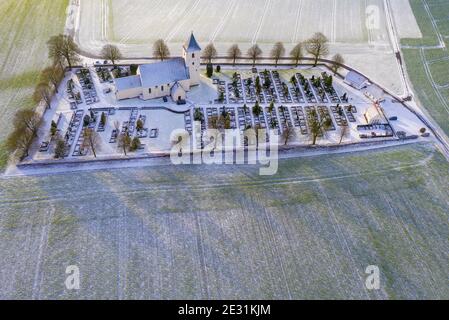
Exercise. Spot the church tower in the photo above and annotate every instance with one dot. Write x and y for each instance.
(192, 57)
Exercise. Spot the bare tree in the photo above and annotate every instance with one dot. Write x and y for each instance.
(338, 61)
(277, 52)
(344, 132)
(92, 140)
(63, 48)
(19, 140)
(124, 142)
(160, 50)
(234, 52)
(317, 126)
(43, 92)
(210, 52)
(53, 75)
(26, 123)
(254, 53)
(27, 119)
(117, 125)
(111, 52)
(317, 46)
(296, 53)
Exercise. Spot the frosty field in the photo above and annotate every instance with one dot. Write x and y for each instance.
(135, 25)
(25, 27)
(225, 232)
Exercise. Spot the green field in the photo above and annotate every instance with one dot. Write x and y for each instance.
(440, 72)
(432, 98)
(25, 27)
(226, 232)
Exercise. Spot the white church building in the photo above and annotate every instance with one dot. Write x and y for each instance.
(173, 77)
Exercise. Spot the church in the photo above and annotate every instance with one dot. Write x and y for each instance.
(173, 77)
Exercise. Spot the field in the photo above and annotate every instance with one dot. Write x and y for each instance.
(225, 232)
(25, 27)
(135, 25)
(428, 67)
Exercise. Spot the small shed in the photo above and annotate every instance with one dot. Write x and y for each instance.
(373, 115)
(356, 80)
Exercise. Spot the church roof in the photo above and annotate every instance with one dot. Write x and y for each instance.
(127, 83)
(165, 72)
(192, 45)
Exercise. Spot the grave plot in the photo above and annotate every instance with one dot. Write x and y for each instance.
(258, 89)
(272, 120)
(339, 115)
(312, 117)
(268, 88)
(250, 91)
(327, 84)
(296, 90)
(299, 119)
(231, 112)
(323, 113)
(320, 94)
(281, 88)
(74, 124)
(235, 89)
(104, 75)
(350, 110)
(306, 88)
(284, 117)
(73, 95)
(221, 90)
(188, 121)
(141, 131)
(87, 85)
(198, 115)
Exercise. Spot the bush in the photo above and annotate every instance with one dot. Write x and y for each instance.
(60, 149)
(133, 69)
(218, 69)
(86, 120)
(209, 70)
(135, 144)
(103, 119)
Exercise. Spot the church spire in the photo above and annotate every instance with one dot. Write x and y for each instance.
(192, 45)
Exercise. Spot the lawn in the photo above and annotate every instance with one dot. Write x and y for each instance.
(226, 232)
(25, 27)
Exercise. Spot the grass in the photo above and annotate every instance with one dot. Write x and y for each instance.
(429, 37)
(440, 72)
(225, 232)
(423, 88)
(425, 93)
(25, 27)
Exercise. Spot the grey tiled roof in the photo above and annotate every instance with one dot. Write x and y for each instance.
(192, 45)
(165, 72)
(355, 78)
(127, 83)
